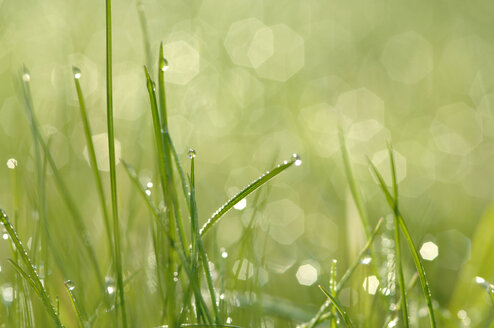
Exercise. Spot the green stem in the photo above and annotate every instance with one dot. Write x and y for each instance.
(111, 153)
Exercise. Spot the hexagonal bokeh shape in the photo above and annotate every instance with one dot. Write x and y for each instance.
(245, 46)
(360, 105)
(407, 57)
(306, 274)
(370, 284)
(288, 54)
(244, 268)
(429, 251)
(100, 142)
(382, 162)
(183, 62)
(456, 129)
(285, 221)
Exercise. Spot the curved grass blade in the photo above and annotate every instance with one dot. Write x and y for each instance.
(80, 314)
(338, 307)
(413, 250)
(346, 276)
(31, 271)
(92, 156)
(247, 191)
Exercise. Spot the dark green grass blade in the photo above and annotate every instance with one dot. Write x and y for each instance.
(399, 261)
(79, 312)
(346, 276)
(62, 188)
(31, 271)
(413, 250)
(247, 191)
(111, 154)
(92, 156)
(338, 307)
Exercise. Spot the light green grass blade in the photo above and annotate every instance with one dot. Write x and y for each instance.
(338, 307)
(26, 277)
(344, 279)
(399, 261)
(413, 250)
(198, 240)
(203, 325)
(31, 271)
(92, 156)
(62, 188)
(332, 285)
(79, 312)
(145, 33)
(111, 155)
(248, 190)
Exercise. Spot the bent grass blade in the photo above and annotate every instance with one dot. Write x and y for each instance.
(338, 307)
(248, 190)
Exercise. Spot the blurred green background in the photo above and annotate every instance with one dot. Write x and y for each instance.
(250, 83)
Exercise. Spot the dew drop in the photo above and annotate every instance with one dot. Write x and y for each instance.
(165, 66)
(366, 260)
(148, 192)
(222, 296)
(296, 160)
(11, 163)
(5, 236)
(229, 320)
(149, 184)
(110, 287)
(70, 285)
(191, 154)
(77, 72)
(224, 254)
(240, 205)
(26, 77)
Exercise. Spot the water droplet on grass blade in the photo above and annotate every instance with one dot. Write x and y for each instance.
(77, 72)
(26, 77)
(191, 154)
(110, 287)
(366, 260)
(165, 66)
(70, 285)
(11, 163)
(297, 161)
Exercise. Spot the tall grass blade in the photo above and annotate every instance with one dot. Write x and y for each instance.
(413, 250)
(338, 307)
(248, 190)
(92, 156)
(31, 271)
(111, 155)
(145, 33)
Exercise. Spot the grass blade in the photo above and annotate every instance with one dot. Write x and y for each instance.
(92, 156)
(111, 155)
(80, 314)
(413, 250)
(346, 276)
(338, 307)
(31, 271)
(248, 190)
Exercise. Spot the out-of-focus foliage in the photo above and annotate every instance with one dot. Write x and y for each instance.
(249, 83)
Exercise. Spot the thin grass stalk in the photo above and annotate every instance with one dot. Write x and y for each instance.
(247, 191)
(111, 155)
(92, 156)
(145, 33)
(332, 285)
(399, 260)
(413, 250)
(63, 191)
(321, 313)
(31, 275)
(200, 246)
(338, 307)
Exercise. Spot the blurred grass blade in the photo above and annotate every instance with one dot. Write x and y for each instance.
(338, 307)
(247, 191)
(145, 33)
(346, 276)
(92, 156)
(332, 285)
(80, 314)
(413, 250)
(31, 271)
(62, 188)
(357, 196)
(26, 277)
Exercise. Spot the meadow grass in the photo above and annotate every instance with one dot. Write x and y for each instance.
(191, 291)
